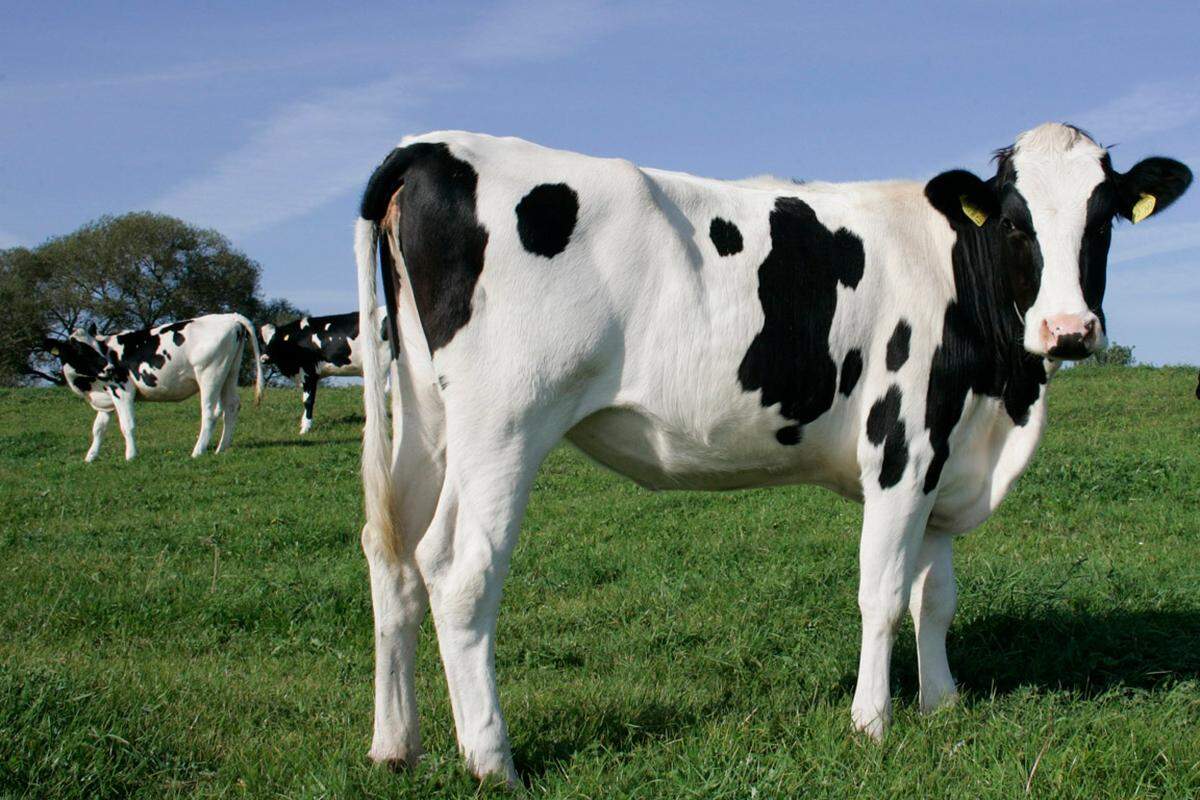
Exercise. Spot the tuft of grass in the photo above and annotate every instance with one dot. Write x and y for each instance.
(175, 628)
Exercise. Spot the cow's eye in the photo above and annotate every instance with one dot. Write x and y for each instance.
(1007, 225)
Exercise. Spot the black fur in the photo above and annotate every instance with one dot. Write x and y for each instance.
(789, 435)
(897, 346)
(546, 218)
(1164, 178)
(440, 235)
(789, 360)
(725, 236)
(885, 427)
(852, 367)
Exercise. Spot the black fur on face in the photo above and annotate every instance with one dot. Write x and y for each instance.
(80, 356)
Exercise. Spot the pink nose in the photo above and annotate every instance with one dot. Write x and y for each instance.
(1070, 335)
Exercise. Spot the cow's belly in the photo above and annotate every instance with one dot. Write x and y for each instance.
(175, 381)
(727, 453)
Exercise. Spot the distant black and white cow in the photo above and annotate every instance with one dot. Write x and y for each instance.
(312, 348)
(166, 363)
(889, 341)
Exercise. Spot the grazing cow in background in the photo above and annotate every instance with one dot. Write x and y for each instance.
(168, 362)
(889, 341)
(312, 348)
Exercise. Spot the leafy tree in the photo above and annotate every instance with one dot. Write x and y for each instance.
(1115, 355)
(131, 271)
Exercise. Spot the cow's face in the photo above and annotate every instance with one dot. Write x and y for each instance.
(1049, 212)
(277, 351)
(80, 352)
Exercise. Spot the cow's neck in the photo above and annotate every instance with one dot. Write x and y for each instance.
(990, 325)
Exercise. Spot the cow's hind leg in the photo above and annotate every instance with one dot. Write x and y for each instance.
(893, 524)
(99, 426)
(399, 602)
(932, 604)
(310, 400)
(210, 397)
(464, 558)
(122, 399)
(231, 404)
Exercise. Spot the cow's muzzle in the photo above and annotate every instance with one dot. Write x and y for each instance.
(1071, 336)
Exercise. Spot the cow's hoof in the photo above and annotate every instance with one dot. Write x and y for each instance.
(495, 769)
(939, 698)
(873, 723)
(395, 760)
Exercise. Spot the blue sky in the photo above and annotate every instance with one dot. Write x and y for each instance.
(263, 120)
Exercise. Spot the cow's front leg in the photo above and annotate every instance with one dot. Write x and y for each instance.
(310, 400)
(99, 426)
(893, 523)
(122, 397)
(931, 604)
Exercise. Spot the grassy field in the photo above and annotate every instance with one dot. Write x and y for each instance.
(174, 627)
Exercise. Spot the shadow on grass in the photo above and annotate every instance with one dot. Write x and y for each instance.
(263, 444)
(564, 733)
(1085, 653)
(1081, 652)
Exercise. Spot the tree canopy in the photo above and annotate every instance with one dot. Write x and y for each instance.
(130, 271)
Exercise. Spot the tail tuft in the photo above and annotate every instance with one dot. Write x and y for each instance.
(258, 373)
(378, 480)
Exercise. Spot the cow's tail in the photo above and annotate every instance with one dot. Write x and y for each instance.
(253, 336)
(378, 488)
(379, 479)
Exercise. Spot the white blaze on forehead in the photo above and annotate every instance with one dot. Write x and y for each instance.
(1057, 169)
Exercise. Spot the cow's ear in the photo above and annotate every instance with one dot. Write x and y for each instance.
(963, 198)
(268, 333)
(1152, 185)
(91, 329)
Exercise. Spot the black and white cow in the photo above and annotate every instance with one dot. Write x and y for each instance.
(312, 348)
(889, 341)
(168, 362)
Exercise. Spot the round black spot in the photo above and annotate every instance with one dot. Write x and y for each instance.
(789, 435)
(725, 236)
(546, 218)
(852, 367)
(897, 346)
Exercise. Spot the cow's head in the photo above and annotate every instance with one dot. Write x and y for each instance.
(266, 334)
(1049, 211)
(277, 351)
(80, 351)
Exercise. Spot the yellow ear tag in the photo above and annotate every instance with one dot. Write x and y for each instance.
(973, 212)
(53, 351)
(1143, 208)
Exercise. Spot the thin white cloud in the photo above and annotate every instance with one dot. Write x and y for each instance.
(521, 30)
(1161, 238)
(193, 72)
(302, 156)
(307, 153)
(1147, 109)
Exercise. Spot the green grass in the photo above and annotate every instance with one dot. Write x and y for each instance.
(174, 627)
